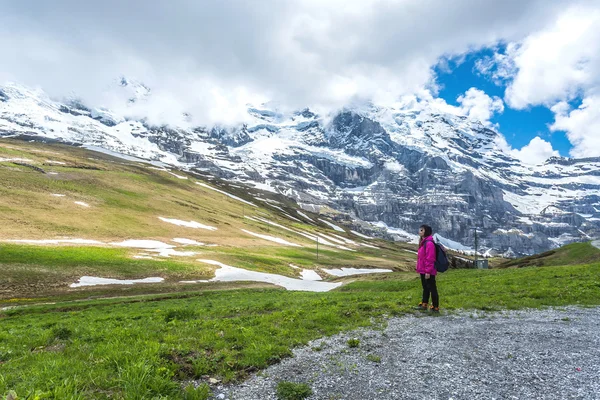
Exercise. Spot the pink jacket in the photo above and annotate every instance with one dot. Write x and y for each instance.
(426, 257)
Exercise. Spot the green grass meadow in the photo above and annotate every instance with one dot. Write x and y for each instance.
(149, 347)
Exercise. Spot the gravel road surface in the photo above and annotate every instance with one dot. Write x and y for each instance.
(547, 354)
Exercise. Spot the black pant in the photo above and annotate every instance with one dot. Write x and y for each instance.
(430, 288)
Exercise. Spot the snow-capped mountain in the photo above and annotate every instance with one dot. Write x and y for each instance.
(394, 167)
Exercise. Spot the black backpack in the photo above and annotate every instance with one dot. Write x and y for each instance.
(441, 259)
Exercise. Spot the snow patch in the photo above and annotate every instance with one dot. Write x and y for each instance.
(188, 224)
(82, 204)
(95, 281)
(355, 271)
(310, 275)
(15, 159)
(228, 273)
(361, 235)
(177, 176)
(271, 238)
(187, 241)
(305, 216)
(335, 227)
(226, 194)
(56, 241)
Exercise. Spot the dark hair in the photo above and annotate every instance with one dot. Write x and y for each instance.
(428, 232)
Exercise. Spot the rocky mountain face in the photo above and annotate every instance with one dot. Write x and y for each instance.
(387, 170)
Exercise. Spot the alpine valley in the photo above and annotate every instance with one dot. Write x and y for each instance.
(384, 170)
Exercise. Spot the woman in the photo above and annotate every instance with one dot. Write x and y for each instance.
(426, 268)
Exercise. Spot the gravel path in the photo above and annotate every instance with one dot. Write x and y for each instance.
(549, 354)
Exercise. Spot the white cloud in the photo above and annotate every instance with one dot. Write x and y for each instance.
(476, 104)
(559, 62)
(536, 152)
(500, 67)
(210, 58)
(553, 66)
(581, 124)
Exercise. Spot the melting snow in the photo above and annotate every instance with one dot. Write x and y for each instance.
(310, 275)
(271, 238)
(226, 194)
(56, 162)
(368, 245)
(155, 246)
(58, 195)
(305, 216)
(57, 241)
(187, 241)
(335, 227)
(188, 224)
(331, 238)
(143, 244)
(355, 271)
(82, 204)
(361, 235)
(15, 159)
(178, 176)
(94, 281)
(227, 273)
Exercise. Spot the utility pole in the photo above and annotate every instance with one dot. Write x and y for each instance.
(476, 246)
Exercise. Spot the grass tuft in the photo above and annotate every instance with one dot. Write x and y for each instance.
(293, 391)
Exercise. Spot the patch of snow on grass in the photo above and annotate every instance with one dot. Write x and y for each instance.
(95, 281)
(349, 241)
(228, 273)
(187, 224)
(187, 241)
(361, 235)
(178, 176)
(56, 162)
(58, 195)
(15, 159)
(226, 194)
(355, 271)
(335, 227)
(310, 275)
(271, 238)
(82, 204)
(56, 241)
(369, 245)
(143, 244)
(305, 216)
(331, 238)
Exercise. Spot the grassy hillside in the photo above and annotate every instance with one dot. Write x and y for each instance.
(148, 341)
(149, 347)
(572, 254)
(58, 192)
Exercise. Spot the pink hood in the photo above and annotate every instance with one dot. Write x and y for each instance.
(426, 257)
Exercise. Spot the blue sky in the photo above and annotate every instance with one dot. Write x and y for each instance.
(518, 126)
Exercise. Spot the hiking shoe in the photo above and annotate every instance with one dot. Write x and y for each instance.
(434, 310)
(422, 306)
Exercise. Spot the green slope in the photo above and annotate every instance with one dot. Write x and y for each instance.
(571, 254)
(125, 200)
